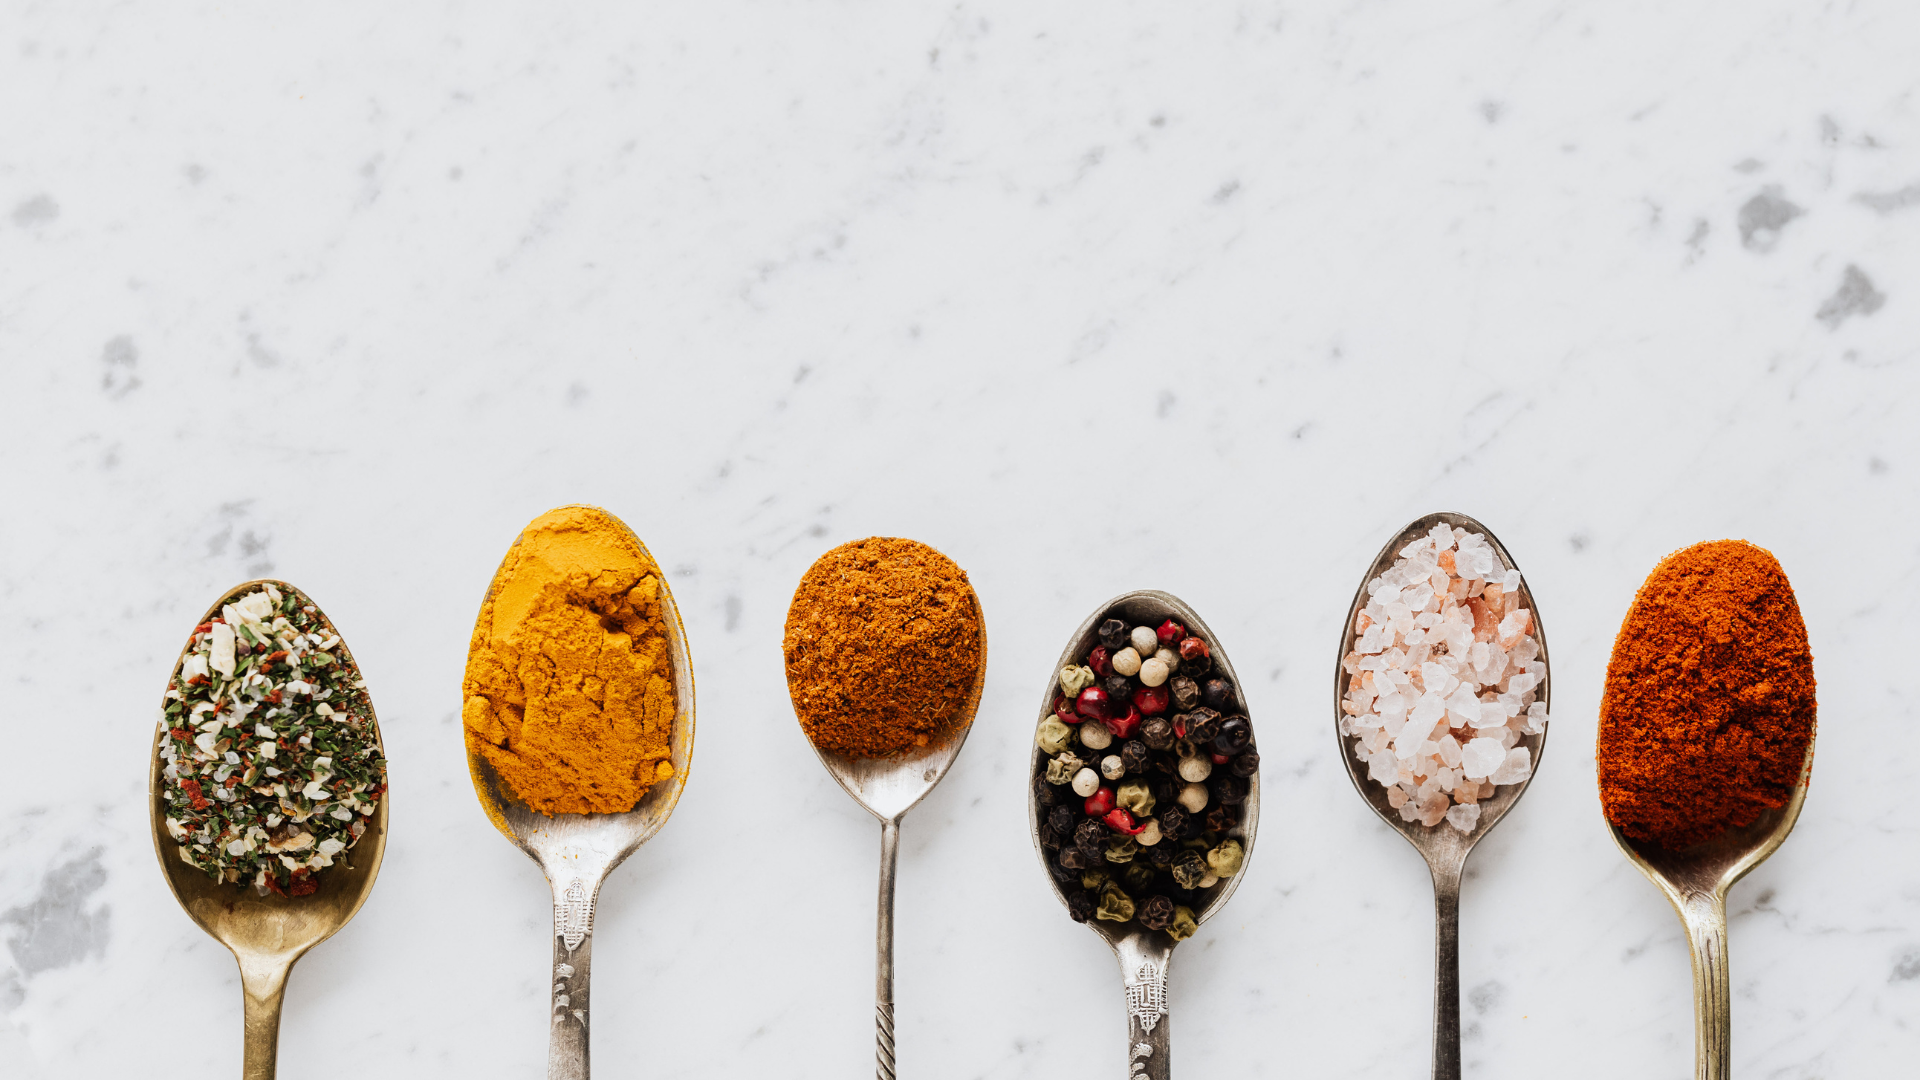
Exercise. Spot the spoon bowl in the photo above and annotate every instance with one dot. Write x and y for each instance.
(1444, 847)
(266, 934)
(1695, 880)
(576, 852)
(1145, 954)
(887, 788)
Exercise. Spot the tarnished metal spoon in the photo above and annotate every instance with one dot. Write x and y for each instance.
(888, 788)
(1444, 847)
(577, 851)
(266, 934)
(1696, 879)
(1144, 954)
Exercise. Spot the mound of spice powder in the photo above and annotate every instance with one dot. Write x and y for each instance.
(273, 765)
(883, 647)
(570, 685)
(1709, 706)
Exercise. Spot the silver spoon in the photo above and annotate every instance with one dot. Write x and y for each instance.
(1444, 847)
(1144, 954)
(1696, 880)
(888, 788)
(266, 934)
(577, 851)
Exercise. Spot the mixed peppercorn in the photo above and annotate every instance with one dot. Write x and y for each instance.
(272, 761)
(1146, 763)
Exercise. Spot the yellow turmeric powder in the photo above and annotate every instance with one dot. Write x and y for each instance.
(569, 686)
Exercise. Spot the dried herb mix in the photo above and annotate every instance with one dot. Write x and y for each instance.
(883, 647)
(1709, 705)
(1145, 766)
(273, 765)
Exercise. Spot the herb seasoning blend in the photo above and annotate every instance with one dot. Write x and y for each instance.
(273, 762)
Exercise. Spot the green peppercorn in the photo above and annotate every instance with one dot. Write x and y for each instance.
(1225, 860)
(1137, 875)
(1184, 924)
(1115, 906)
(1074, 679)
(1053, 735)
(1060, 770)
(1188, 869)
(1122, 849)
(1135, 797)
(1093, 880)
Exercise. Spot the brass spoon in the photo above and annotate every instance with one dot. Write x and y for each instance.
(1144, 954)
(577, 851)
(1444, 847)
(888, 788)
(266, 934)
(1696, 880)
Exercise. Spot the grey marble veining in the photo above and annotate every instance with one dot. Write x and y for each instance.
(1093, 297)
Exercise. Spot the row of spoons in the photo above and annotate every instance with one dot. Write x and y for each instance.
(268, 934)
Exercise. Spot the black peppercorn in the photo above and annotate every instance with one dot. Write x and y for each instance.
(1160, 856)
(1138, 875)
(1196, 667)
(1246, 763)
(1163, 789)
(1044, 793)
(1113, 634)
(1091, 839)
(1173, 823)
(1189, 869)
(1049, 839)
(1119, 690)
(1229, 789)
(1217, 693)
(1080, 906)
(1061, 820)
(1157, 733)
(1074, 859)
(1134, 755)
(1184, 691)
(1065, 875)
(1183, 897)
(1156, 913)
(1235, 733)
(1200, 725)
(1222, 817)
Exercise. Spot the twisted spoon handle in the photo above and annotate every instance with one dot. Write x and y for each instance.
(567, 1041)
(883, 975)
(1705, 916)
(263, 979)
(1144, 957)
(1446, 973)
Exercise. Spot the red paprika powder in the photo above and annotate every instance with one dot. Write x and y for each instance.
(1709, 705)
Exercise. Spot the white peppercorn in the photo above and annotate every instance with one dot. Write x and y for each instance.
(1086, 782)
(1153, 672)
(1196, 768)
(1168, 657)
(1145, 640)
(1193, 797)
(1095, 736)
(1150, 835)
(1125, 662)
(1112, 768)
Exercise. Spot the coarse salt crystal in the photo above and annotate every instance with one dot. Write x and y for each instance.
(1517, 767)
(1464, 817)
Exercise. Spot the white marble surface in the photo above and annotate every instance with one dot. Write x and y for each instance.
(1098, 297)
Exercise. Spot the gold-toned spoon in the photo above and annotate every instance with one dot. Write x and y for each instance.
(1144, 954)
(1444, 847)
(266, 934)
(577, 851)
(1696, 879)
(888, 788)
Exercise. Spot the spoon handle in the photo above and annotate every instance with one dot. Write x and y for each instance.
(1143, 971)
(573, 903)
(1705, 916)
(883, 975)
(264, 981)
(1446, 973)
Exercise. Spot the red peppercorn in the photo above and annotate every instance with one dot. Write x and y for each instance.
(1180, 725)
(1101, 661)
(1123, 727)
(1170, 632)
(1151, 700)
(1194, 648)
(1121, 821)
(1092, 703)
(1221, 759)
(1100, 802)
(1063, 708)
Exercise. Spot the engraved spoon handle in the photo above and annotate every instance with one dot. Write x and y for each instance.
(1143, 973)
(573, 902)
(263, 979)
(883, 968)
(1446, 973)
(1705, 916)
